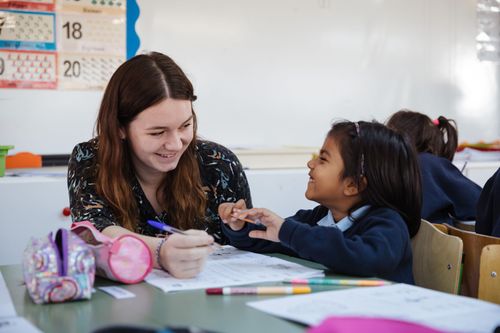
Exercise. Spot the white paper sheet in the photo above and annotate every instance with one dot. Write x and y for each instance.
(6, 305)
(399, 301)
(117, 292)
(9, 323)
(230, 266)
(17, 325)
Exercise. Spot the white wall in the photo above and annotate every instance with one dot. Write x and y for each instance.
(271, 73)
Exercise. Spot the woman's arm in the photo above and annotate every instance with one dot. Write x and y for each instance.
(182, 256)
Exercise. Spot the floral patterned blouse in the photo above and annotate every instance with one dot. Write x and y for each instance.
(222, 176)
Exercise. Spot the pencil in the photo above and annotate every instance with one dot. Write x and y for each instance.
(244, 219)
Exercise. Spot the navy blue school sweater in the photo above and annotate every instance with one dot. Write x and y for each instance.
(446, 191)
(488, 208)
(377, 244)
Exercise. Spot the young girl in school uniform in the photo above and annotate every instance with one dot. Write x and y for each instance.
(447, 194)
(366, 180)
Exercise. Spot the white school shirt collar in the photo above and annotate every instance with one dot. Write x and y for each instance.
(344, 223)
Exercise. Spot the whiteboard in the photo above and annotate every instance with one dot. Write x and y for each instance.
(277, 73)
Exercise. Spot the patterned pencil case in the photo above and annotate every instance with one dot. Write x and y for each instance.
(58, 268)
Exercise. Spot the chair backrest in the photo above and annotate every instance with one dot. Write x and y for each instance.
(465, 225)
(473, 245)
(489, 274)
(436, 259)
(441, 227)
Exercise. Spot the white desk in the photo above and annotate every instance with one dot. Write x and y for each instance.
(479, 172)
(29, 206)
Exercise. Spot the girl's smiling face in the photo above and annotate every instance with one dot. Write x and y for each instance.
(326, 185)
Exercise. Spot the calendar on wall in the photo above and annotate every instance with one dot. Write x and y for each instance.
(62, 44)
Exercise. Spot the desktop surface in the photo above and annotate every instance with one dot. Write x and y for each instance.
(151, 308)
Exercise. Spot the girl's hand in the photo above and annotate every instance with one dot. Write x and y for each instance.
(226, 213)
(184, 256)
(263, 216)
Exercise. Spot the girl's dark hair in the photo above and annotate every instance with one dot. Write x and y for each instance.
(136, 85)
(440, 138)
(387, 161)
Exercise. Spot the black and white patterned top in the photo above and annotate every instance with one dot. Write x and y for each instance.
(222, 176)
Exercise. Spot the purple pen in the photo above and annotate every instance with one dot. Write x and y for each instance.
(172, 230)
(165, 227)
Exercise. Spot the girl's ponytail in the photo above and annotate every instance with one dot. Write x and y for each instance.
(449, 137)
(438, 137)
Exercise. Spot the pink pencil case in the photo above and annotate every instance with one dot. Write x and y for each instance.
(125, 259)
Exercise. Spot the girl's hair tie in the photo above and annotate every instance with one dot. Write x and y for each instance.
(436, 122)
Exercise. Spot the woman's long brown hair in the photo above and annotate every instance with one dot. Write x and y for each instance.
(137, 84)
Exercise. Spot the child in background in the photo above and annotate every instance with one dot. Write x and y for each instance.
(447, 194)
(366, 180)
(488, 208)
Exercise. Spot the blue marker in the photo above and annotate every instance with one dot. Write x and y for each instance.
(165, 227)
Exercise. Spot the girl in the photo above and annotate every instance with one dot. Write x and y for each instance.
(147, 163)
(447, 194)
(366, 180)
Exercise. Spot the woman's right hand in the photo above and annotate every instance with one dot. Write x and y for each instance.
(226, 214)
(184, 256)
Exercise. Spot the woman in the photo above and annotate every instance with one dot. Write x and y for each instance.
(146, 163)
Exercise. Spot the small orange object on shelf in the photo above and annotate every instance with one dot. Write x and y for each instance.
(481, 145)
(23, 160)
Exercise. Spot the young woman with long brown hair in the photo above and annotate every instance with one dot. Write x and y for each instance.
(147, 163)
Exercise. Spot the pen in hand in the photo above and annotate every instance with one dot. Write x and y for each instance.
(171, 230)
(165, 227)
(244, 219)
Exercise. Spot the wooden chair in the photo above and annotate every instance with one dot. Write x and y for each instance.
(441, 227)
(465, 225)
(489, 274)
(473, 244)
(436, 259)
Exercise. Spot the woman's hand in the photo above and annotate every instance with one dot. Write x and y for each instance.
(264, 217)
(184, 256)
(226, 213)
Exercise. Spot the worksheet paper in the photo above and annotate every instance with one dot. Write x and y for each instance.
(399, 301)
(6, 306)
(229, 266)
(9, 323)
